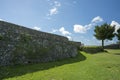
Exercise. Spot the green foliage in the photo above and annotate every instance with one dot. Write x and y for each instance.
(103, 32)
(30, 51)
(36, 53)
(92, 49)
(25, 37)
(118, 34)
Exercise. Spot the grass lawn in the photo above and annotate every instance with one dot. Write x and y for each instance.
(100, 66)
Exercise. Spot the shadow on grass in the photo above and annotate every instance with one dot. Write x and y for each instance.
(18, 70)
(116, 53)
(97, 52)
(113, 52)
(105, 51)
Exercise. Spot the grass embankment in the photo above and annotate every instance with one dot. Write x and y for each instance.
(101, 66)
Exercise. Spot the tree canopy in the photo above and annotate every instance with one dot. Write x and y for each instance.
(104, 31)
(118, 34)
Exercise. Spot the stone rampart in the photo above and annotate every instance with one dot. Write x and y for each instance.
(21, 45)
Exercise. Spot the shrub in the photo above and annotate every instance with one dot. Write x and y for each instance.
(92, 49)
(112, 46)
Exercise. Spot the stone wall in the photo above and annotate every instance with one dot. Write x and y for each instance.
(21, 45)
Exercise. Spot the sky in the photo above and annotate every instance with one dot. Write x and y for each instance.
(74, 19)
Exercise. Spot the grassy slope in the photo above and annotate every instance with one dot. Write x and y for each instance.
(104, 66)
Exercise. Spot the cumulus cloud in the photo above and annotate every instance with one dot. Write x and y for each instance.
(77, 28)
(97, 19)
(89, 26)
(82, 29)
(63, 31)
(116, 24)
(69, 37)
(54, 9)
(36, 28)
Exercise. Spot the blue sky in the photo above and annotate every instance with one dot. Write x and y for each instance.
(74, 19)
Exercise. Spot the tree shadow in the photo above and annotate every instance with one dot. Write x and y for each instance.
(116, 53)
(105, 51)
(18, 70)
(97, 52)
(112, 52)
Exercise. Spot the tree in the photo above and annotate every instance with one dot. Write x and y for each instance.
(118, 36)
(104, 32)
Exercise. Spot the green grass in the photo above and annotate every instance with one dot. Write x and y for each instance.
(100, 66)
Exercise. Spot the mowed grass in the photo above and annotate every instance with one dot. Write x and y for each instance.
(100, 66)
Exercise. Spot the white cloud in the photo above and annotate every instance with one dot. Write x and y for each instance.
(1, 19)
(83, 29)
(69, 37)
(63, 31)
(54, 30)
(97, 19)
(53, 11)
(36, 28)
(116, 24)
(79, 28)
(89, 26)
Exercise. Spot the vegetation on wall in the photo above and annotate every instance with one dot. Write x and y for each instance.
(25, 37)
(23, 45)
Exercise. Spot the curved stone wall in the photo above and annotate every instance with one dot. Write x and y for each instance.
(20, 45)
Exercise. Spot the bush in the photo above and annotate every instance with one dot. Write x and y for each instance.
(92, 49)
(112, 46)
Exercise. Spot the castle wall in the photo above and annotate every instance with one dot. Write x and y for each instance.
(20, 45)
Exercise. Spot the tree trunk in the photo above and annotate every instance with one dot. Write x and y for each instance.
(103, 44)
(119, 45)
